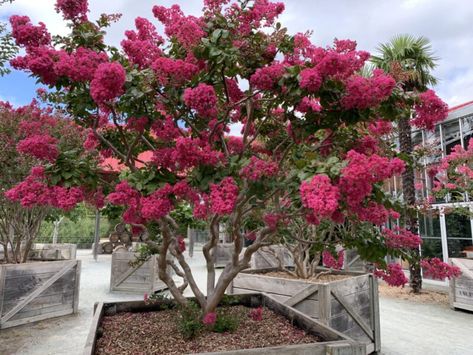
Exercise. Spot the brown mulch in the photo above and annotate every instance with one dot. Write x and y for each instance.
(405, 293)
(321, 278)
(157, 333)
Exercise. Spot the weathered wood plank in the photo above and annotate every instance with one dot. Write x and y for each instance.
(14, 323)
(325, 309)
(53, 252)
(375, 316)
(75, 304)
(302, 295)
(461, 288)
(3, 272)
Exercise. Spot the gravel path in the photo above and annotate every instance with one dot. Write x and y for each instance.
(407, 328)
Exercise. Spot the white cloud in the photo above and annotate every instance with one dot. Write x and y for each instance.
(370, 22)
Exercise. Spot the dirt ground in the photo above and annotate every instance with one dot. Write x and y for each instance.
(405, 293)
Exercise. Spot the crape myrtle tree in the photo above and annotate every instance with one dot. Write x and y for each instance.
(164, 107)
(38, 148)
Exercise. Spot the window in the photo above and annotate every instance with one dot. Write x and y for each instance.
(458, 227)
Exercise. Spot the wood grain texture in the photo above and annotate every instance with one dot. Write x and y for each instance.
(461, 288)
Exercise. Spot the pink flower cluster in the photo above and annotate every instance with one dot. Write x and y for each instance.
(429, 111)
(142, 47)
(310, 80)
(27, 35)
(186, 29)
(309, 105)
(79, 65)
(223, 196)
(235, 145)
(181, 244)
(257, 169)
(436, 269)
(215, 4)
(165, 129)
(234, 92)
(267, 78)
(263, 12)
(40, 146)
(156, 206)
(176, 72)
(210, 318)
(329, 261)
(108, 82)
(33, 191)
(320, 196)
(401, 238)
(73, 9)
(362, 93)
(256, 314)
(380, 127)
(203, 99)
(393, 275)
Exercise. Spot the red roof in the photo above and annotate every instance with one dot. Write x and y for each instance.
(113, 164)
(454, 108)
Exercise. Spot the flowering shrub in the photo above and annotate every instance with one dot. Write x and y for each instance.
(210, 318)
(256, 314)
(401, 238)
(334, 263)
(436, 269)
(429, 111)
(393, 275)
(163, 107)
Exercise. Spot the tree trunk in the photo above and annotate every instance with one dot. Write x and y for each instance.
(408, 191)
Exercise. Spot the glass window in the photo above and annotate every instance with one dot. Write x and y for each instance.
(429, 230)
(432, 142)
(458, 232)
(451, 135)
(467, 127)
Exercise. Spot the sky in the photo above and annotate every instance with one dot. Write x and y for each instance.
(447, 24)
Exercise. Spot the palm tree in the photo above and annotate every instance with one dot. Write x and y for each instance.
(410, 61)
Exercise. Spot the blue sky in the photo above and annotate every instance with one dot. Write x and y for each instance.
(369, 22)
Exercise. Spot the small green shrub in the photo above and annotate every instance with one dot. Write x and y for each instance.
(226, 323)
(189, 322)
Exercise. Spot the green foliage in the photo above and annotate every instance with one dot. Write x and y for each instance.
(226, 323)
(8, 48)
(189, 321)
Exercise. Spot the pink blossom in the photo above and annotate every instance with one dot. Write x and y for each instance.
(142, 47)
(175, 72)
(400, 238)
(309, 105)
(137, 124)
(210, 318)
(79, 65)
(267, 78)
(380, 127)
(203, 99)
(320, 196)
(124, 194)
(393, 275)
(235, 145)
(310, 79)
(362, 93)
(436, 269)
(271, 220)
(91, 141)
(165, 129)
(223, 196)
(73, 9)
(42, 147)
(40, 62)
(108, 82)
(329, 261)
(155, 206)
(256, 314)
(429, 111)
(257, 169)
(234, 92)
(27, 35)
(181, 244)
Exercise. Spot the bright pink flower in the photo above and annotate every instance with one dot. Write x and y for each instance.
(257, 169)
(175, 72)
(124, 194)
(271, 220)
(436, 269)
(181, 244)
(310, 79)
(108, 82)
(39, 61)
(91, 141)
(79, 65)
(329, 261)
(309, 105)
(223, 196)
(235, 145)
(429, 111)
(210, 318)
(203, 99)
(320, 196)
(267, 78)
(401, 238)
(393, 275)
(42, 147)
(27, 35)
(142, 47)
(73, 9)
(380, 127)
(234, 92)
(256, 314)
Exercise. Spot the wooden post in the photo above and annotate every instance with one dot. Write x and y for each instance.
(97, 233)
(325, 309)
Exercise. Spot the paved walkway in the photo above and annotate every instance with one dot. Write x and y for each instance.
(406, 328)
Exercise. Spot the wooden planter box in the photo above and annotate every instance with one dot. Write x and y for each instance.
(461, 288)
(349, 306)
(52, 252)
(138, 279)
(35, 291)
(270, 256)
(335, 343)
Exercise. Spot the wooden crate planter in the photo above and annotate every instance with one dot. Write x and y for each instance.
(461, 288)
(271, 256)
(40, 290)
(52, 252)
(350, 306)
(142, 279)
(335, 342)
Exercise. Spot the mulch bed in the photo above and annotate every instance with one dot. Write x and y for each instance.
(157, 333)
(405, 293)
(321, 278)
